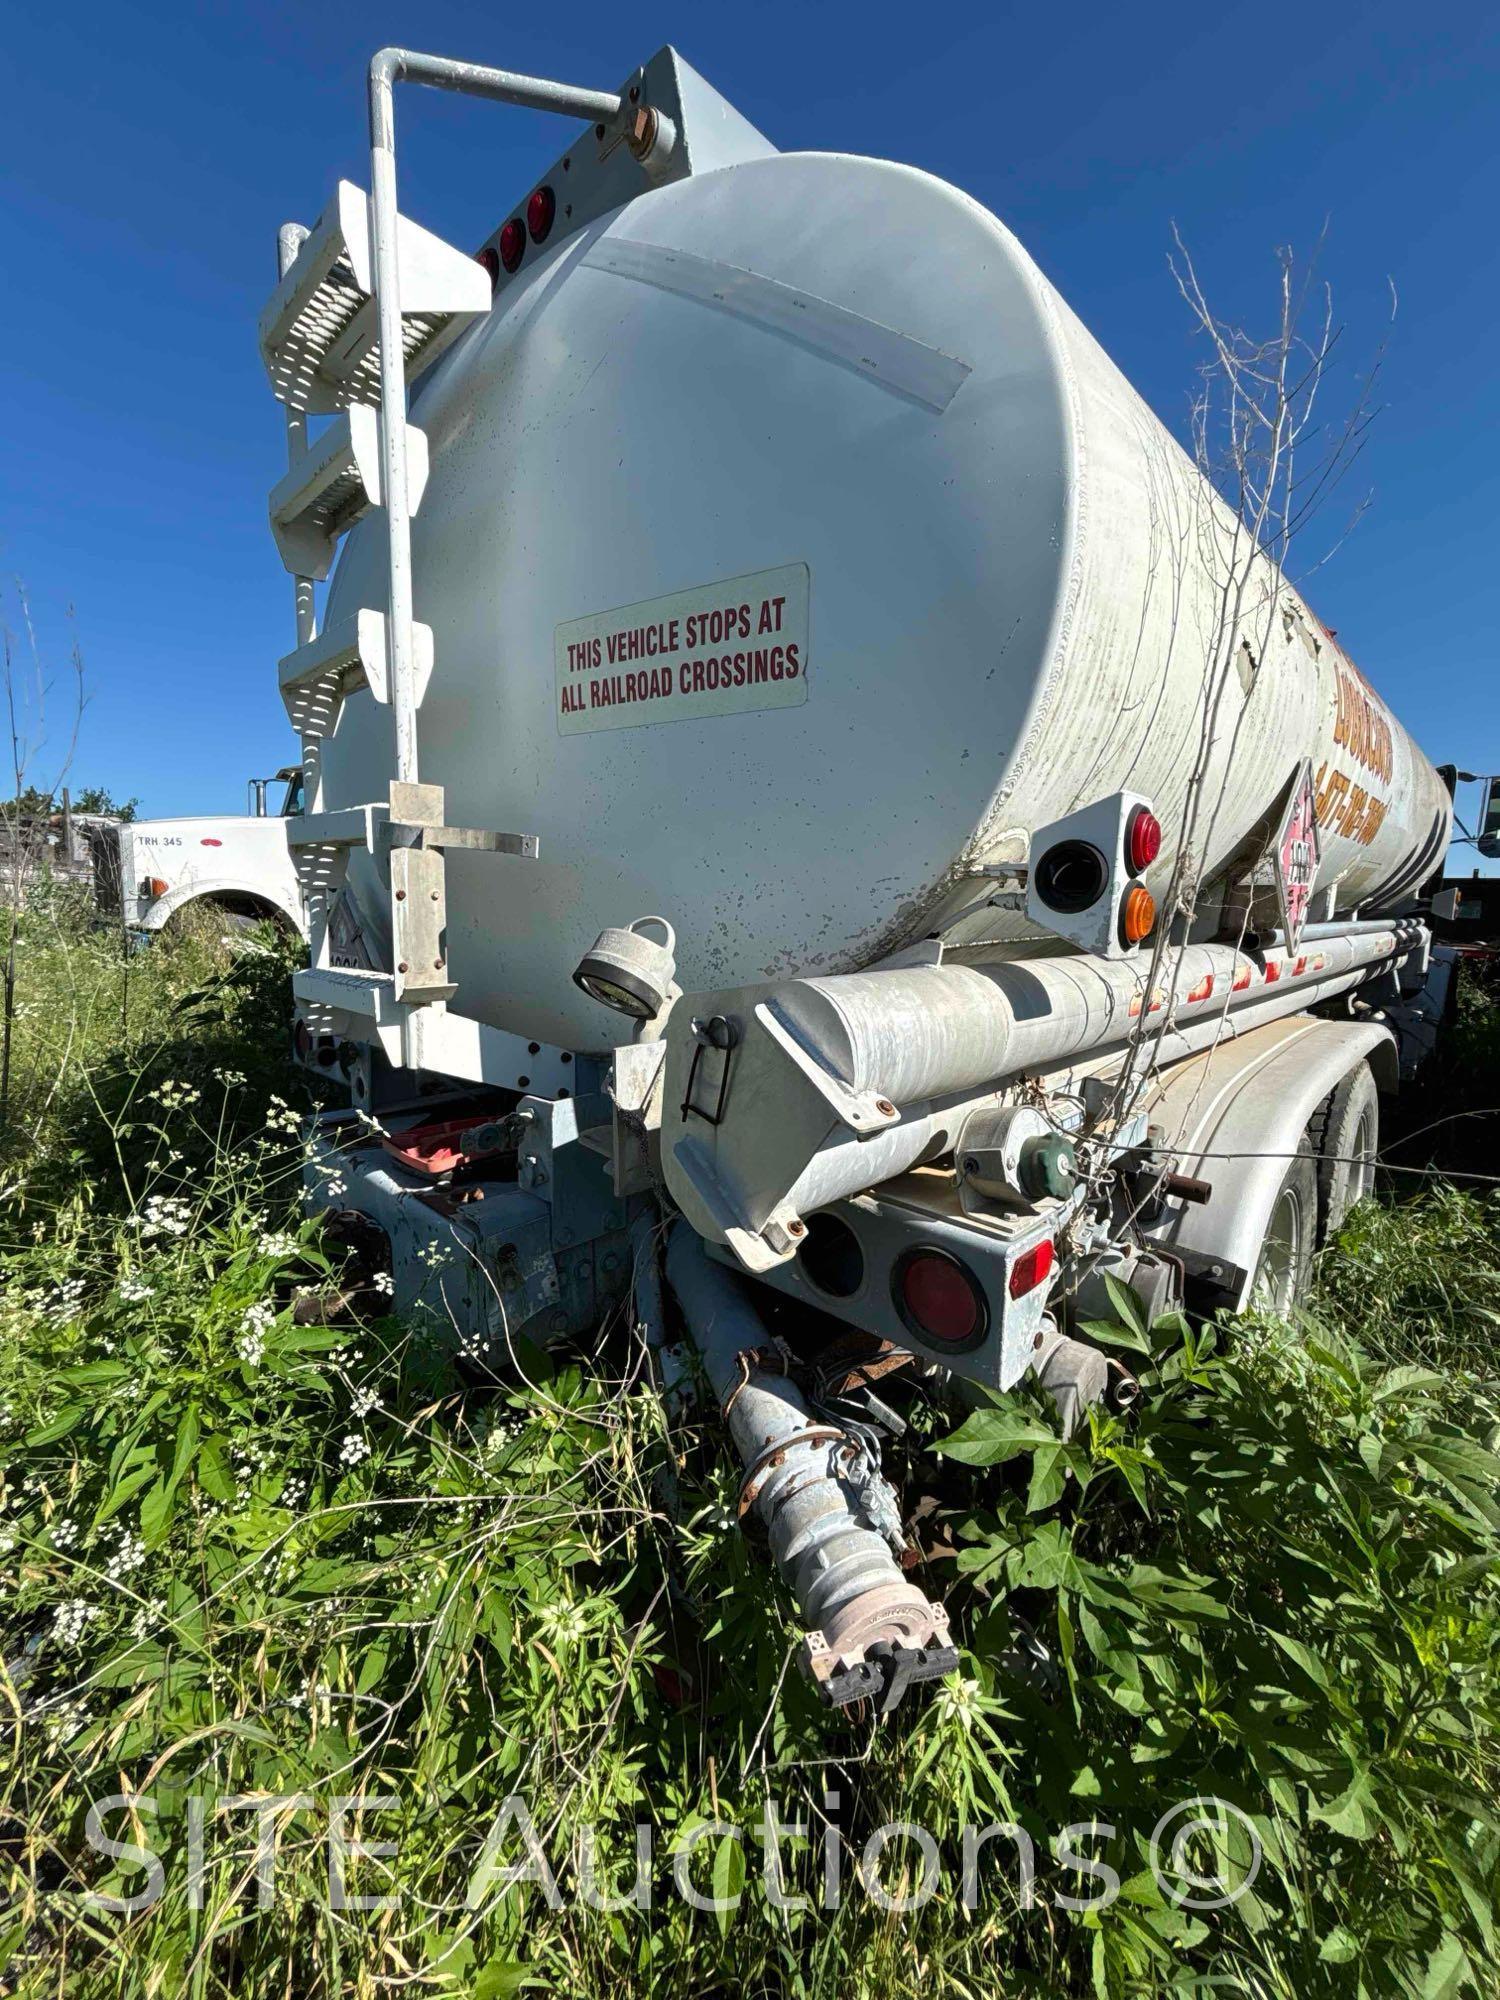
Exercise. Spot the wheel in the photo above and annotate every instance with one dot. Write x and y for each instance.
(1346, 1138)
(1286, 1251)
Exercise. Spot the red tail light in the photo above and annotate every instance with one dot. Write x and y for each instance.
(1031, 1270)
(939, 1299)
(540, 210)
(1142, 840)
(489, 256)
(512, 243)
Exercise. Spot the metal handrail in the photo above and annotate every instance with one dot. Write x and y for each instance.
(388, 68)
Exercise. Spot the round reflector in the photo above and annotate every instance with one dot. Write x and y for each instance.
(540, 211)
(489, 256)
(512, 243)
(1137, 914)
(1029, 1271)
(1142, 840)
(939, 1299)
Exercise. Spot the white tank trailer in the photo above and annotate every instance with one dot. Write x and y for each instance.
(943, 864)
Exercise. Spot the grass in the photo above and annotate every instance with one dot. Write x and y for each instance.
(247, 1557)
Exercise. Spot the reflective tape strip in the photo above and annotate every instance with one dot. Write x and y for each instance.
(893, 360)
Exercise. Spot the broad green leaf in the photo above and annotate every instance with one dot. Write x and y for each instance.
(995, 1436)
(156, 1512)
(187, 1443)
(66, 1420)
(1128, 1308)
(501, 1977)
(1399, 1384)
(1049, 1476)
(728, 1878)
(1303, 1656)
(1447, 1971)
(214, 1474)
(1352, 1813)
(1108, 1333)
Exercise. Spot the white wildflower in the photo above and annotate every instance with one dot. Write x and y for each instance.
(365, 1400)
(254, 1327)
(174, 1096)
(229, 1077)
(280, 1116)
(135, 1291)
(65, 1722)
(70, 1619)
(353, 1449)
(128, 1556)
(64, 1301)
(64, 1533)
(278, 1243)
(165, 1215)
(384, 1283)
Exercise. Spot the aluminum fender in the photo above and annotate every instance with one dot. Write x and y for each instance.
(1236, 1114)
(156, 914)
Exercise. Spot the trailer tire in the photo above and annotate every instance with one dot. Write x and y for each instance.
(1284, 1265)
(1346, 1138)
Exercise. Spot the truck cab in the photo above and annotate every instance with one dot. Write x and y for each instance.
(238, 863)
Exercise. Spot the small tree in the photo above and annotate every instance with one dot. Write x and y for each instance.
(23, 819)
(1268, 460)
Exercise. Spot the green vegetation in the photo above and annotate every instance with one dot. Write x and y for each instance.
(31, 802)
(244, 1555)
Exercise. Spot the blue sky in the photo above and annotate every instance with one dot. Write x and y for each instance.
(150, 152)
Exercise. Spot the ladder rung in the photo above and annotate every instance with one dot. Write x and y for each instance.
(350, 371)
(318, 333)
(348, 655)
(334, 482)
(349, 826)
(372, 994)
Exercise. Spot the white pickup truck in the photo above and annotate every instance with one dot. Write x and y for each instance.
(239, 863)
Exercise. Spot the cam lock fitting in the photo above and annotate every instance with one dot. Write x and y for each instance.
(1011, 1154)
(1048, 1168)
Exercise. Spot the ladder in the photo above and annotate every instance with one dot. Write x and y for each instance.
(367, 300)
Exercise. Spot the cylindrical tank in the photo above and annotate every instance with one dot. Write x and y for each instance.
(790, 550)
